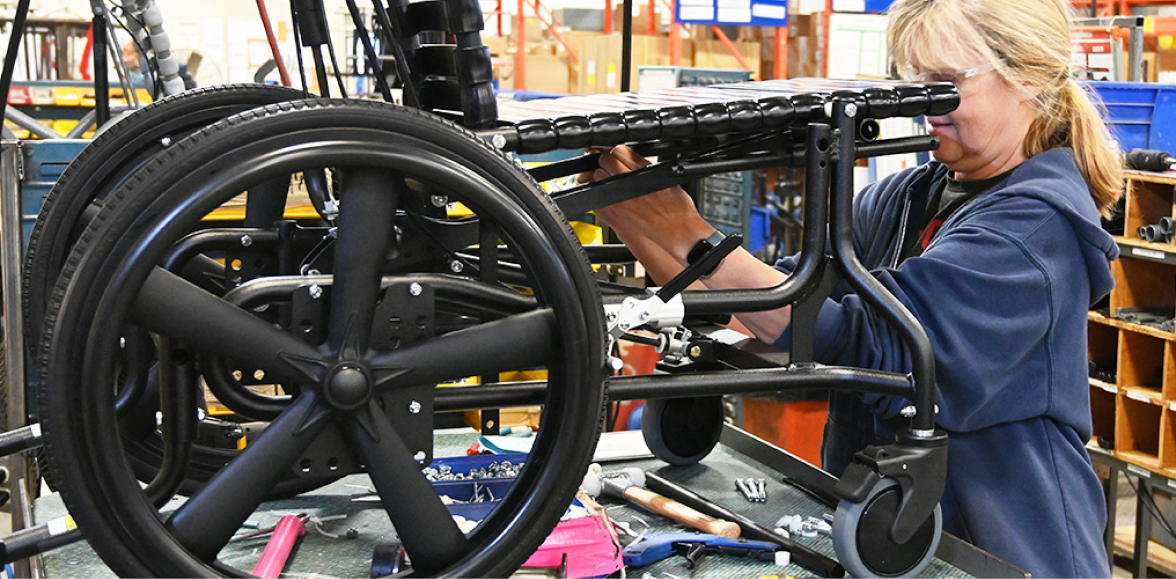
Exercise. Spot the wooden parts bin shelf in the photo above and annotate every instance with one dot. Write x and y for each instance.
(1133, 378)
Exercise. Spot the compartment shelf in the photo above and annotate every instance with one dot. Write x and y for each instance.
(1137, 430)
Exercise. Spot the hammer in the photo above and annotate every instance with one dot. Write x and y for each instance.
(629, 484)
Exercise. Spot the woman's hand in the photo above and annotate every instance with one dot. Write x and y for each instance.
(661, 228)
(666, 218)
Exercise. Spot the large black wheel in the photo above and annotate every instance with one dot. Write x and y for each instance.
(105, 164)
(368, 400)
(79, 194)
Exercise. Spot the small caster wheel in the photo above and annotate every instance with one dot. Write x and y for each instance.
(682, 430)
(861, 536)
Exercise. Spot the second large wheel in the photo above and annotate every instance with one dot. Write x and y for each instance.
(365, 397)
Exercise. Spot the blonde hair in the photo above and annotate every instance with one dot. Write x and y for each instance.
(1027, 42)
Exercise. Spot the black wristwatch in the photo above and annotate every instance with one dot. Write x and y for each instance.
(702, 248)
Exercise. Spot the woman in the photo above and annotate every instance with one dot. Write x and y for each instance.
(996, 247)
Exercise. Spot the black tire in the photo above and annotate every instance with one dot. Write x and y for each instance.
(105, 164)
(682, 431)
(861, 536)
(114, 261)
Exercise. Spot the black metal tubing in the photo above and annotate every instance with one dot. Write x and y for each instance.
(223, 239)
(177, 389)
(686, 385)
(101, 80)
(23, 438)
(454, 291)
(18, 23)
(870, 289)
(812, 254)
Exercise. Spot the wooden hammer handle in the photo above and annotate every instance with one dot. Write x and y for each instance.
(682, 513)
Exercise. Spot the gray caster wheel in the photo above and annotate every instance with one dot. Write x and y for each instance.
(682, 430)
(862, 540)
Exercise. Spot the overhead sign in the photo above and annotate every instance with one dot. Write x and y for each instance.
(733, 12)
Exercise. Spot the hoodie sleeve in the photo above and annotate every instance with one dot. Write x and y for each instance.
(985, 293)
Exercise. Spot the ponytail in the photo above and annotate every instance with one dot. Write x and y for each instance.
(1070, 118)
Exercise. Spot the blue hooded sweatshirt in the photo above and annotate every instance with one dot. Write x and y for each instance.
(1003, 292)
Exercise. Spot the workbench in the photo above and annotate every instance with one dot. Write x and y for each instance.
(739, 455)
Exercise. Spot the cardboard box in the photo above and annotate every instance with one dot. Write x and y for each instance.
(498, 45)
(715, 54)
(646, 50)
(545, 73)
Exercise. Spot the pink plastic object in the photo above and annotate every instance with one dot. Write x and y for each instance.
(277, 550)
(590, 543)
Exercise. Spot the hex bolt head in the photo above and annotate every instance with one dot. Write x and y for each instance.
(166, 141)
(498, 141)
(695, 351)
(246, 241)
(908, 412)
(455, 266)
(316, 291)
(414, 407)
(415, 289)
(644, 316)
(851, 110)
(439, 200)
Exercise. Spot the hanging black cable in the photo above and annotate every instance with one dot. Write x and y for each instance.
(298, 50)
(335, 66)
(320, 71)
(18, 24)
(394, 33)
(369, 50)
(1149, 503)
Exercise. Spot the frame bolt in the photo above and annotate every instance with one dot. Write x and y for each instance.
(850, 110)
(246, 241)
(166, 141)
(316, 291)
(415, 289)
(908, 412)
(414, 407)
(439, 200)
(695, 351)
(498, 141)
(455, 266)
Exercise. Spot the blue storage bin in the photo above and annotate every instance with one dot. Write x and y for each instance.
(1140, 115)
(45, 161)
(463, 490)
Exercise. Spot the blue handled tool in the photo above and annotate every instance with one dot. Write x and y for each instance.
(653, 548)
